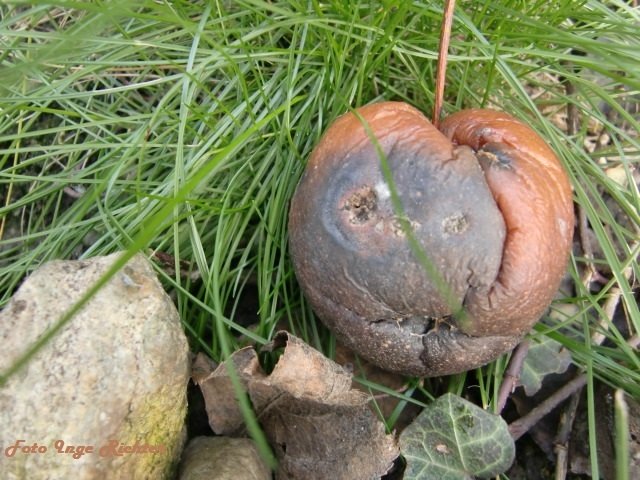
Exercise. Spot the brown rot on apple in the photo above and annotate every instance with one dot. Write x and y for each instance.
(464, 269)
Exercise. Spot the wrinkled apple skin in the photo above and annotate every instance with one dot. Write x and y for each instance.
(471, 261)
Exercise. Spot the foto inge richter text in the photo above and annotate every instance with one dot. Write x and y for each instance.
(111, 448)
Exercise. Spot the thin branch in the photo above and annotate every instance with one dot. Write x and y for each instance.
(573, 116)
(441, 69)
(523, 424)
(512, 375)
(564, 432)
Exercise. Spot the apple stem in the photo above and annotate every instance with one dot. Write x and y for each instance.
(441, 69)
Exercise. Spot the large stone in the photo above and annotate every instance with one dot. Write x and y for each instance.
(112, 380)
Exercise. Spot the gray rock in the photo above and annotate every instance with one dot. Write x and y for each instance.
(113, 380)
(223, 458)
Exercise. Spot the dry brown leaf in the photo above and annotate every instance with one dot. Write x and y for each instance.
(225, 417)
(304, 372)
(313, 440)
(318, 426)
(201, 367)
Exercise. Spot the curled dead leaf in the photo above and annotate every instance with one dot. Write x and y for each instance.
(317, 424)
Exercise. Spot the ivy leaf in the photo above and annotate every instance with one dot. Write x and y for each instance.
(453, 439)
(545, 356)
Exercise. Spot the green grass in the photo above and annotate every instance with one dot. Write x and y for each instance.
(183, 128)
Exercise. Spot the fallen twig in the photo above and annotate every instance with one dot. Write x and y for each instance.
(512, 374)
(523, 424)
(561, 446)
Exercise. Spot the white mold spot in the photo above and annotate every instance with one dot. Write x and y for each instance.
(382, 190)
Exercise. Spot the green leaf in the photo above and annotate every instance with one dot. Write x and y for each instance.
(545, 356)
(454, 439)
